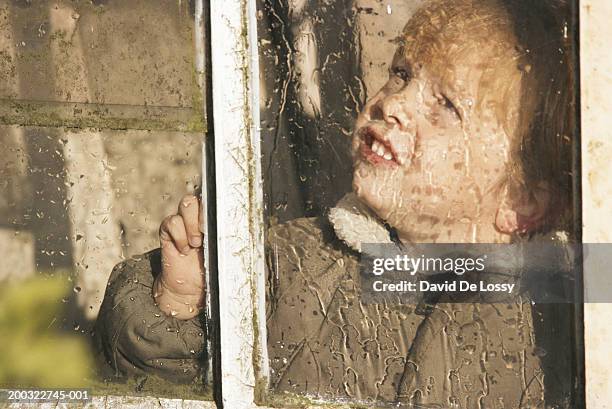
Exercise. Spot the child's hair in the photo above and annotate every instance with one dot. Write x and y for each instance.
(547, 137)
(542, 70)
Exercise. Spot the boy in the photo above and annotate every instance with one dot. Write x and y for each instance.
(466, 143)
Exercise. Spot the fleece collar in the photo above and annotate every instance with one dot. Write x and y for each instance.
(355, 224)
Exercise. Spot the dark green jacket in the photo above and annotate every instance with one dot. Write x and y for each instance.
(323, 341)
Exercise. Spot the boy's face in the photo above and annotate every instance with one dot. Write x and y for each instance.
(431, 146)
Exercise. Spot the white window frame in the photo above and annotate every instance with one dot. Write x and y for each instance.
(240, 248)
(235, 72)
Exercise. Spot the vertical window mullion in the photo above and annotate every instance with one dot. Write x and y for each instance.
(239, 198)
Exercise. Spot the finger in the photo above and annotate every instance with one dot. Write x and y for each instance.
(173, 231)
(201, 219)
(189, 210)
(164, 235)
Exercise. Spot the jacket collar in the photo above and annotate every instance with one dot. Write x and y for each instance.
(355, 224)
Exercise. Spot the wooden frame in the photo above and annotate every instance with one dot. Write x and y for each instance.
(241, 293)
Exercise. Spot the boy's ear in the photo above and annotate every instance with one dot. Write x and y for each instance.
(525, 212)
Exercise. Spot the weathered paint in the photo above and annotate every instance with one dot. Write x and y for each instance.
(100, 116)
(596, 84)
(239, 214)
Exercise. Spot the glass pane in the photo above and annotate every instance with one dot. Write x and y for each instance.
(112, 89)
(74, 205)
(109, 52)
(400, 123)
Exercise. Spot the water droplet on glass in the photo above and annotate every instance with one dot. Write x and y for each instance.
(470, 349)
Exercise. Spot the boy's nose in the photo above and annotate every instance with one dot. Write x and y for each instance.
(396, 111)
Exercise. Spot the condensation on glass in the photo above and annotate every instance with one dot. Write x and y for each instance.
(320, 63)
(101, 137)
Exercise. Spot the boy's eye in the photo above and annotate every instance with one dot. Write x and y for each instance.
(447, 104)
(402, 73)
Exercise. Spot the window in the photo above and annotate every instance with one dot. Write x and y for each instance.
(315, 129)
(320, 64)
(103, 123)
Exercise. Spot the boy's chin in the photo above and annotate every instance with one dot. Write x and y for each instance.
(368, 187)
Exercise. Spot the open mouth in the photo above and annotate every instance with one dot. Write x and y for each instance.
(375, 149)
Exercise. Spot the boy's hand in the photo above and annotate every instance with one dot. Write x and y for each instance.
(179, 289)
